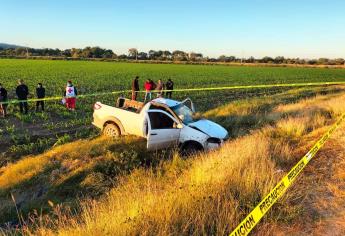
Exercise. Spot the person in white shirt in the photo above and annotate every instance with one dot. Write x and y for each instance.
(70, 95)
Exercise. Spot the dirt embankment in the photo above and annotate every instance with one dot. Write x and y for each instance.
(321, 192)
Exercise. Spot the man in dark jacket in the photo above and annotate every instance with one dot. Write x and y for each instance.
(169, 86)
(135, 88)
(40, 93)
(22, 92)
(3, 98)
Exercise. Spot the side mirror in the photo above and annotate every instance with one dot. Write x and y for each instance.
(179, 126)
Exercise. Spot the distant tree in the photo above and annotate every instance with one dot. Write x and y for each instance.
(250, 60)
(267, 60)
(122, 56)
(86, 52)
(20, 51)
(179, 55)
(323, 61)
(142, 56)
(156, 55)
(166, 55)
(96, 52)
(339, 61)
(279, 60)
(212, 59)
(195, 56)
(224, 58)
(133, 53)
(76, 53)
(312, 62)
(232, 58)
(301, 61)
(152, 54)
(66, 53)
(108, 54)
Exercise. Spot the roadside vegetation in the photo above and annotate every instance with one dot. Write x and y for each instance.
(100, 186)
(21, 135)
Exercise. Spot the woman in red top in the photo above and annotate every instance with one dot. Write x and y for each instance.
(148, 88)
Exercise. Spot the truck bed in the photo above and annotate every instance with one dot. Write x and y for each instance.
(129, 105)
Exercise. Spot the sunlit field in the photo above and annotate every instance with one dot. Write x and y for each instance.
(58, 175)
(91, 77)
(162, 193)
(36, 132)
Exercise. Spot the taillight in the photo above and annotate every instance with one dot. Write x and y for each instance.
(97, 106)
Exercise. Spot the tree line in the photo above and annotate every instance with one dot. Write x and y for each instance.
(158, 55)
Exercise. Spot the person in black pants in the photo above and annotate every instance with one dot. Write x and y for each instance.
(40, 93)
(169, 86)
(3, 98)
(135, 88)
(22, 92)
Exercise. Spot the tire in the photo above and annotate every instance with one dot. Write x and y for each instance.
(111, 130)
(190, 148)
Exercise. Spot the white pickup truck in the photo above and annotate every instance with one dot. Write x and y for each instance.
(163, 122)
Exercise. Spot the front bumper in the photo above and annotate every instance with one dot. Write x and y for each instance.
(212, 146)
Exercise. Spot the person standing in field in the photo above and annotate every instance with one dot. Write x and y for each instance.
(40, 93)
(22, 92)
(160, 88)
(170, 87)
(70, 95)
(148, 88)
(135, 88)
(3, 98)
(153, 85)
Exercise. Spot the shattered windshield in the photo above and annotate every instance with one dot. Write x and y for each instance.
(184, 113)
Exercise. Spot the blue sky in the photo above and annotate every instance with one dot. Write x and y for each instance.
(304, 28)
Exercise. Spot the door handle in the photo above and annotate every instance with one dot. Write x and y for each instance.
(153, 133)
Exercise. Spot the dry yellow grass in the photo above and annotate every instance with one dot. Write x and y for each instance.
(21, 171)
(210, 193)
(209, 196)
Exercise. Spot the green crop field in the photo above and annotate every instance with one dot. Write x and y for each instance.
(33, 133)
(107, 76)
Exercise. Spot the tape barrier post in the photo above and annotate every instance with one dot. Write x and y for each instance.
(247, 225)
(186, 90)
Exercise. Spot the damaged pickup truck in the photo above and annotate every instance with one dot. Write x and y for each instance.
(163, 122)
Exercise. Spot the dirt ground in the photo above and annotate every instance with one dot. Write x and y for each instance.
(323, 182)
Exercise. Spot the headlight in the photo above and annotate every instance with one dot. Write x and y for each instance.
(214, 140)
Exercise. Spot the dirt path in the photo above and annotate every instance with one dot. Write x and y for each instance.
(328, 198)
(322, 209)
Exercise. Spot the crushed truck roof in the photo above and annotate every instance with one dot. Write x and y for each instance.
(165, 101)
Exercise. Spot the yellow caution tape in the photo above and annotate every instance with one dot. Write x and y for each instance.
(185, 90)
(247, 225)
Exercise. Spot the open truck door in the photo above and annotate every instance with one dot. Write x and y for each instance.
(188, 102)
(163, 130)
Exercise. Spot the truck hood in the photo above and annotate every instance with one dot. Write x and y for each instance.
(210, 128)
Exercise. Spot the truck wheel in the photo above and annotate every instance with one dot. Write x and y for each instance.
(190, 148)
(111, 130)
